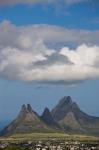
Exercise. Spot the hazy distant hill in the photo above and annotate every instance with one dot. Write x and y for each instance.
(65, 117)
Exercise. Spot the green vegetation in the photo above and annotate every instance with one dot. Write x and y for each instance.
(13, 148)
(40, 135)
(47, 136)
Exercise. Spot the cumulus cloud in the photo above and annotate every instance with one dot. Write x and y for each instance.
(25, 55)
(15, 2)
(25, 37)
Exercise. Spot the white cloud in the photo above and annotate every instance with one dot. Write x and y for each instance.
(25, 55)
(25, 37)
(83, 55)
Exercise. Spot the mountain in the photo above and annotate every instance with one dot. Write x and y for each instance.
(27, 121)
(68, 114)
(66, 117)
(48, 119)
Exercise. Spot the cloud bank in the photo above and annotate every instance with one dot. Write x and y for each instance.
(25, 55)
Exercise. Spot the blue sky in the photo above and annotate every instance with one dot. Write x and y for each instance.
(83, 16)
(24, 27)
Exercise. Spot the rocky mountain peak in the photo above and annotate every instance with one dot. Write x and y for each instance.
(66, 100)
(65, 116)
(47, 114)
(29, 108)
(27, 121)
(48, 119)
(26, 108)
(23, 108)
(64, 106)
(69, 99)
(46, 111)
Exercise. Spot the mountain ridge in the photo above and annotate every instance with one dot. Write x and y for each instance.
(66, 117)
(27, 121)
(68, 114)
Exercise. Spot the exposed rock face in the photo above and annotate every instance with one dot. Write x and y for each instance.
(27, 121)
(71, 118)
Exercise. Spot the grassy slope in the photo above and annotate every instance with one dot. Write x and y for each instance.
(48, 136)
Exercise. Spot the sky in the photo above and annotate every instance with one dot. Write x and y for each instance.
(48, 49)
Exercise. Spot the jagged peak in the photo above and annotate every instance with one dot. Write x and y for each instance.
(23, 108)
(48, 118)
(67, 100)
(26, 108)
(29, 108)
(46, 111)
(64, 106)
